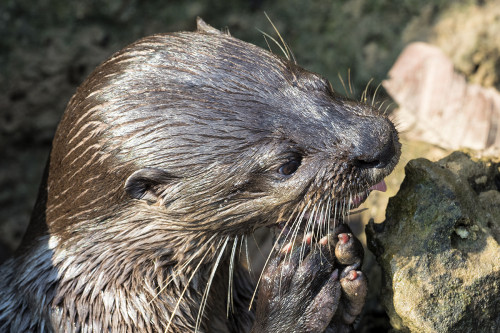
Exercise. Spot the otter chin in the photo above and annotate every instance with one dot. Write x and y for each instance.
(168, 156)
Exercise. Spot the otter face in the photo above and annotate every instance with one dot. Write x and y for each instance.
(220, 135)
(253, 140)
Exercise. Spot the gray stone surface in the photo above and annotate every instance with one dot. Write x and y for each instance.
(439, 247)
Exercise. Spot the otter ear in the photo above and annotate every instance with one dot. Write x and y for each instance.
(203, 27)
(147, 184)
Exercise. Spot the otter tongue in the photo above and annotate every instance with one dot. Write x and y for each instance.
(382, 187)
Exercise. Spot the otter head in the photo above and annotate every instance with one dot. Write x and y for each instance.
(202, 133)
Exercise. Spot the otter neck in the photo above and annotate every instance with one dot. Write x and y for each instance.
(129, 289)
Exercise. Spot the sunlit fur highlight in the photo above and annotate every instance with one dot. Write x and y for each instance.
(218, 117)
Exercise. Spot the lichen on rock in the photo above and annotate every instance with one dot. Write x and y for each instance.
(439, 247)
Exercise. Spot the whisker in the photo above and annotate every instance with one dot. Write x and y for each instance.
(265, 39)
(257, 245)
(209, 284)
(289, 54)
(317, 225)
(328, 212)
(179, 271)
(387, 108)
(231, 271)
(295, 228)
(344, 205)
(285, 53)
(247, 255)
(322, 218)
(241, 247)
(297, 219)
(343, 84)
(275, 247)
(365, 92)
(262, 273)
(349, 80)
(306, 230)
(293, 231)
(349, 204)
(184, 291)
(357, 211)
(335, 217)
(379, 107)
(375, 93)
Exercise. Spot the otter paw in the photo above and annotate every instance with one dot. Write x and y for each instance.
(354, 285)
(312, 286)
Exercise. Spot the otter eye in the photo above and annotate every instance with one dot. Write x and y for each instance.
(289, 167)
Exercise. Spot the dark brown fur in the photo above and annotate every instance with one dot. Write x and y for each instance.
(166, 157)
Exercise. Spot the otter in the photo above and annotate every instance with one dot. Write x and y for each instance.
(167, 157)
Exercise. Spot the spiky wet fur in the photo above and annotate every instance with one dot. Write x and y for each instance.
(212, 118)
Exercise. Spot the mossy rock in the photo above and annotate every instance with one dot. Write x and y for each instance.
(439, 247)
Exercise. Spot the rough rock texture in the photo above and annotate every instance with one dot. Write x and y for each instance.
(437, 105)
(468, 34)
(439, 247)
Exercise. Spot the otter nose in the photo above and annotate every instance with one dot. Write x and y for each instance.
(375, 154)
(378, 158)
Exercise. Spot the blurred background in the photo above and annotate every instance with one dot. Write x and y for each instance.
(48, 47)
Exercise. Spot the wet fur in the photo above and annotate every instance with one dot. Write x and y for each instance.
(167, 156)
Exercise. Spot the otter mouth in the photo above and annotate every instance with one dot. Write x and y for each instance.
(358, 199)
(343, 207)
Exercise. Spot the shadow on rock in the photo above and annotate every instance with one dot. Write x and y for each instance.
(439, 247)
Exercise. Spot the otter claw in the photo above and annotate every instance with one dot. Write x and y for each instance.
(354, 289)
(349, 250)
(313, 285)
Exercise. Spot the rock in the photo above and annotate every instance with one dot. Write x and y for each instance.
(437, 105)
(439, 247)
(468, 34)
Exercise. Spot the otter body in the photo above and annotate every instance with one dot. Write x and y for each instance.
(166, 158)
